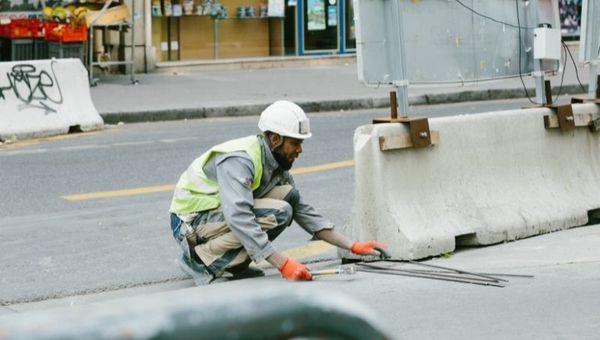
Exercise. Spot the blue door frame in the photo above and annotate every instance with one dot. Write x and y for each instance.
(341, 16)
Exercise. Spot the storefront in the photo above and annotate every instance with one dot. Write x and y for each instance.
(231, 29)
(205, 30)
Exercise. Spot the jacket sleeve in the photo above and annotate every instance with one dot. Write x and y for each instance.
(234, 176)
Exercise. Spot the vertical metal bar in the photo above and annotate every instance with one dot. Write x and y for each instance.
(402, 93)
(598, 87)
(393, 105)
(133, 41)
(178, 38)
(283, 34)
(216, 38)
(169, 38)
(594, 87)
(91, 54)
(538, 73)
(548, 92)
(402, 87)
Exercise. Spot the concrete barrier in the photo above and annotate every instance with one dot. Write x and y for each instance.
(493, 177)
(256, 310)
(45, 97)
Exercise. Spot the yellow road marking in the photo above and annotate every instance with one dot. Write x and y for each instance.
(117, 193)
(35, 141)
(170, 187)
(313, 248)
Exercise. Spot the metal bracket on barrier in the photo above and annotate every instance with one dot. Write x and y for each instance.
(586, 99)
(576, 120)
(564, 118)
(419, 134)
(404, 141)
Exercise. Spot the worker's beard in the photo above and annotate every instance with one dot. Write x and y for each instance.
(283, 162)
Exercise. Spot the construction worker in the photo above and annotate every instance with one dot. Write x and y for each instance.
(233, 200)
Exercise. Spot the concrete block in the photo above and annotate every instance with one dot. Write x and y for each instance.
(45, 97)
(494, 177)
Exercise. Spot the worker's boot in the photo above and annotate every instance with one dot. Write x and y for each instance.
(199, 273)
(244, 271)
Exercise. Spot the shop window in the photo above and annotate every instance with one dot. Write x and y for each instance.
(320, 25)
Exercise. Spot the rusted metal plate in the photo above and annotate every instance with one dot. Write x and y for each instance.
(420, 135)
(403, 141)
(566, 119)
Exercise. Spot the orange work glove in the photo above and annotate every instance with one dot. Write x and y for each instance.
(294, 271)
(367, 248)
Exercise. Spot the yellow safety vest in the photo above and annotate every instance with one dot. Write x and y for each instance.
(194, 192)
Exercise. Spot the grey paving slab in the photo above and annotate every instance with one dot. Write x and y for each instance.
(190, 93)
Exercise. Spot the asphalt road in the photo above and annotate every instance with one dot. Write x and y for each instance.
(55, 247)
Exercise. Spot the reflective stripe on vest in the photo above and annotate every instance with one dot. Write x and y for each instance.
(195, 192)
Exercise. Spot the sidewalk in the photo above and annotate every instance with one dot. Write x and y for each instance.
(325, 84)
(555, 298)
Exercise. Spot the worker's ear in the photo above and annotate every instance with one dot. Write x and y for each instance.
(275, 139)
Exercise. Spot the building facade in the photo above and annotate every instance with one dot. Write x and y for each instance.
(208, 30)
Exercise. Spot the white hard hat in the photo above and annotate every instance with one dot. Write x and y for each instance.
(286, 119)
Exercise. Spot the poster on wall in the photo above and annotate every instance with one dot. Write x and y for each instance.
(331, 15)
(276, 8)
(315, 13)
(570, 16)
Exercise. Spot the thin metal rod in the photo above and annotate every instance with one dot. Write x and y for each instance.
(491, 274)
(455, 270)
(509, 275)
(441, 267)
(436, 273)
(433, 277)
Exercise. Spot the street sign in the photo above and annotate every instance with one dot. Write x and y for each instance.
(448, 41)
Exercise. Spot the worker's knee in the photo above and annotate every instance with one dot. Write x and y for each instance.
(285, 214)
(292, 197)
(271, 213)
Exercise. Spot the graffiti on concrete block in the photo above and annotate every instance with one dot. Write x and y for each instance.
(36, 89)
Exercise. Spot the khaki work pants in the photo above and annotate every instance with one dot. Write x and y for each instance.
(219, 249)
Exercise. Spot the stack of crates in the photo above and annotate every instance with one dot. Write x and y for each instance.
(64, 40)
(34, 39)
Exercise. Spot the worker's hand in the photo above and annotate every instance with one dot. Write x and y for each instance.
(294, 271)
(368, 248)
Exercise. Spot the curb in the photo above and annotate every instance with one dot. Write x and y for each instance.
(325, 105)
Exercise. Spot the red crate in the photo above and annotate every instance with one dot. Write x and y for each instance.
(3, 30)
(20, 28)
(37, 27)
(58, 31)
